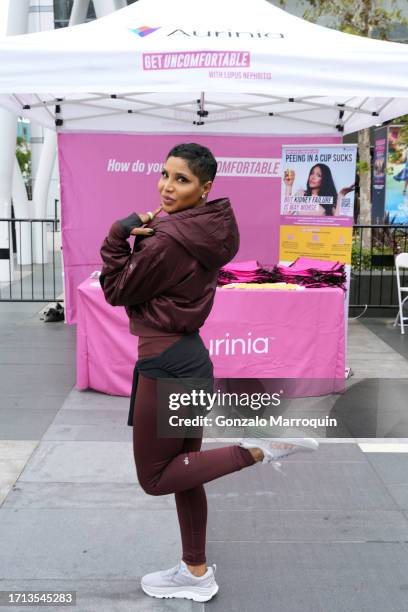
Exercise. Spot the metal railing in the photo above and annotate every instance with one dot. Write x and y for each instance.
(35, 266)
(373, 274)
(31, 266)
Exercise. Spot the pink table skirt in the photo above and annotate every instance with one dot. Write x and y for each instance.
(250, 334)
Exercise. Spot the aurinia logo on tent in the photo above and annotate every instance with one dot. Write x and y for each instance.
(225, 34)
(179, 33)
(144, 30)
(239, 346)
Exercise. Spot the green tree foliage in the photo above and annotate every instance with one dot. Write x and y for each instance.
(403, 133)
(23, 155)
(362, 17)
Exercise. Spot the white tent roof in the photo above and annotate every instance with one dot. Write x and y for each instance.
(228, 65)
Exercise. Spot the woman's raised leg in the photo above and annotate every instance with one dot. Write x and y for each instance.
(162, 465)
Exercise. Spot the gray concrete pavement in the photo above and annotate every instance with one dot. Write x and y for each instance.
(329, 533)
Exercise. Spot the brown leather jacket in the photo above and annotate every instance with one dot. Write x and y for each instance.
(168, 281)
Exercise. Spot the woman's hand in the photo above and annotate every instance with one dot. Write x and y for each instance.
(146, 218)
(346, 190)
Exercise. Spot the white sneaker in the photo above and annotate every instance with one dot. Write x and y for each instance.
(179, 582)
(273, 453)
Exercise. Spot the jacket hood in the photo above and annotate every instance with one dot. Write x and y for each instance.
(209, 232)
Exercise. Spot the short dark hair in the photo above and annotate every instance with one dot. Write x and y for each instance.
(199, 159)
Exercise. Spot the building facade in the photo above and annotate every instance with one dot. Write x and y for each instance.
(62, 11)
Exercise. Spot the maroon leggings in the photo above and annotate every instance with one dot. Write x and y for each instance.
(177, 465)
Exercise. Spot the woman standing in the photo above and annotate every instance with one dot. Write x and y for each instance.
(167, 285)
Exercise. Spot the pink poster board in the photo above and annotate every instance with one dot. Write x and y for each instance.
(106, 176)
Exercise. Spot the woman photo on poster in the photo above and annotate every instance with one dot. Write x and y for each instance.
(319, 183)
(403, 175)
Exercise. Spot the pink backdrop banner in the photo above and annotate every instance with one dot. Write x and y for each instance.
(105, 177)
(273, 334)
